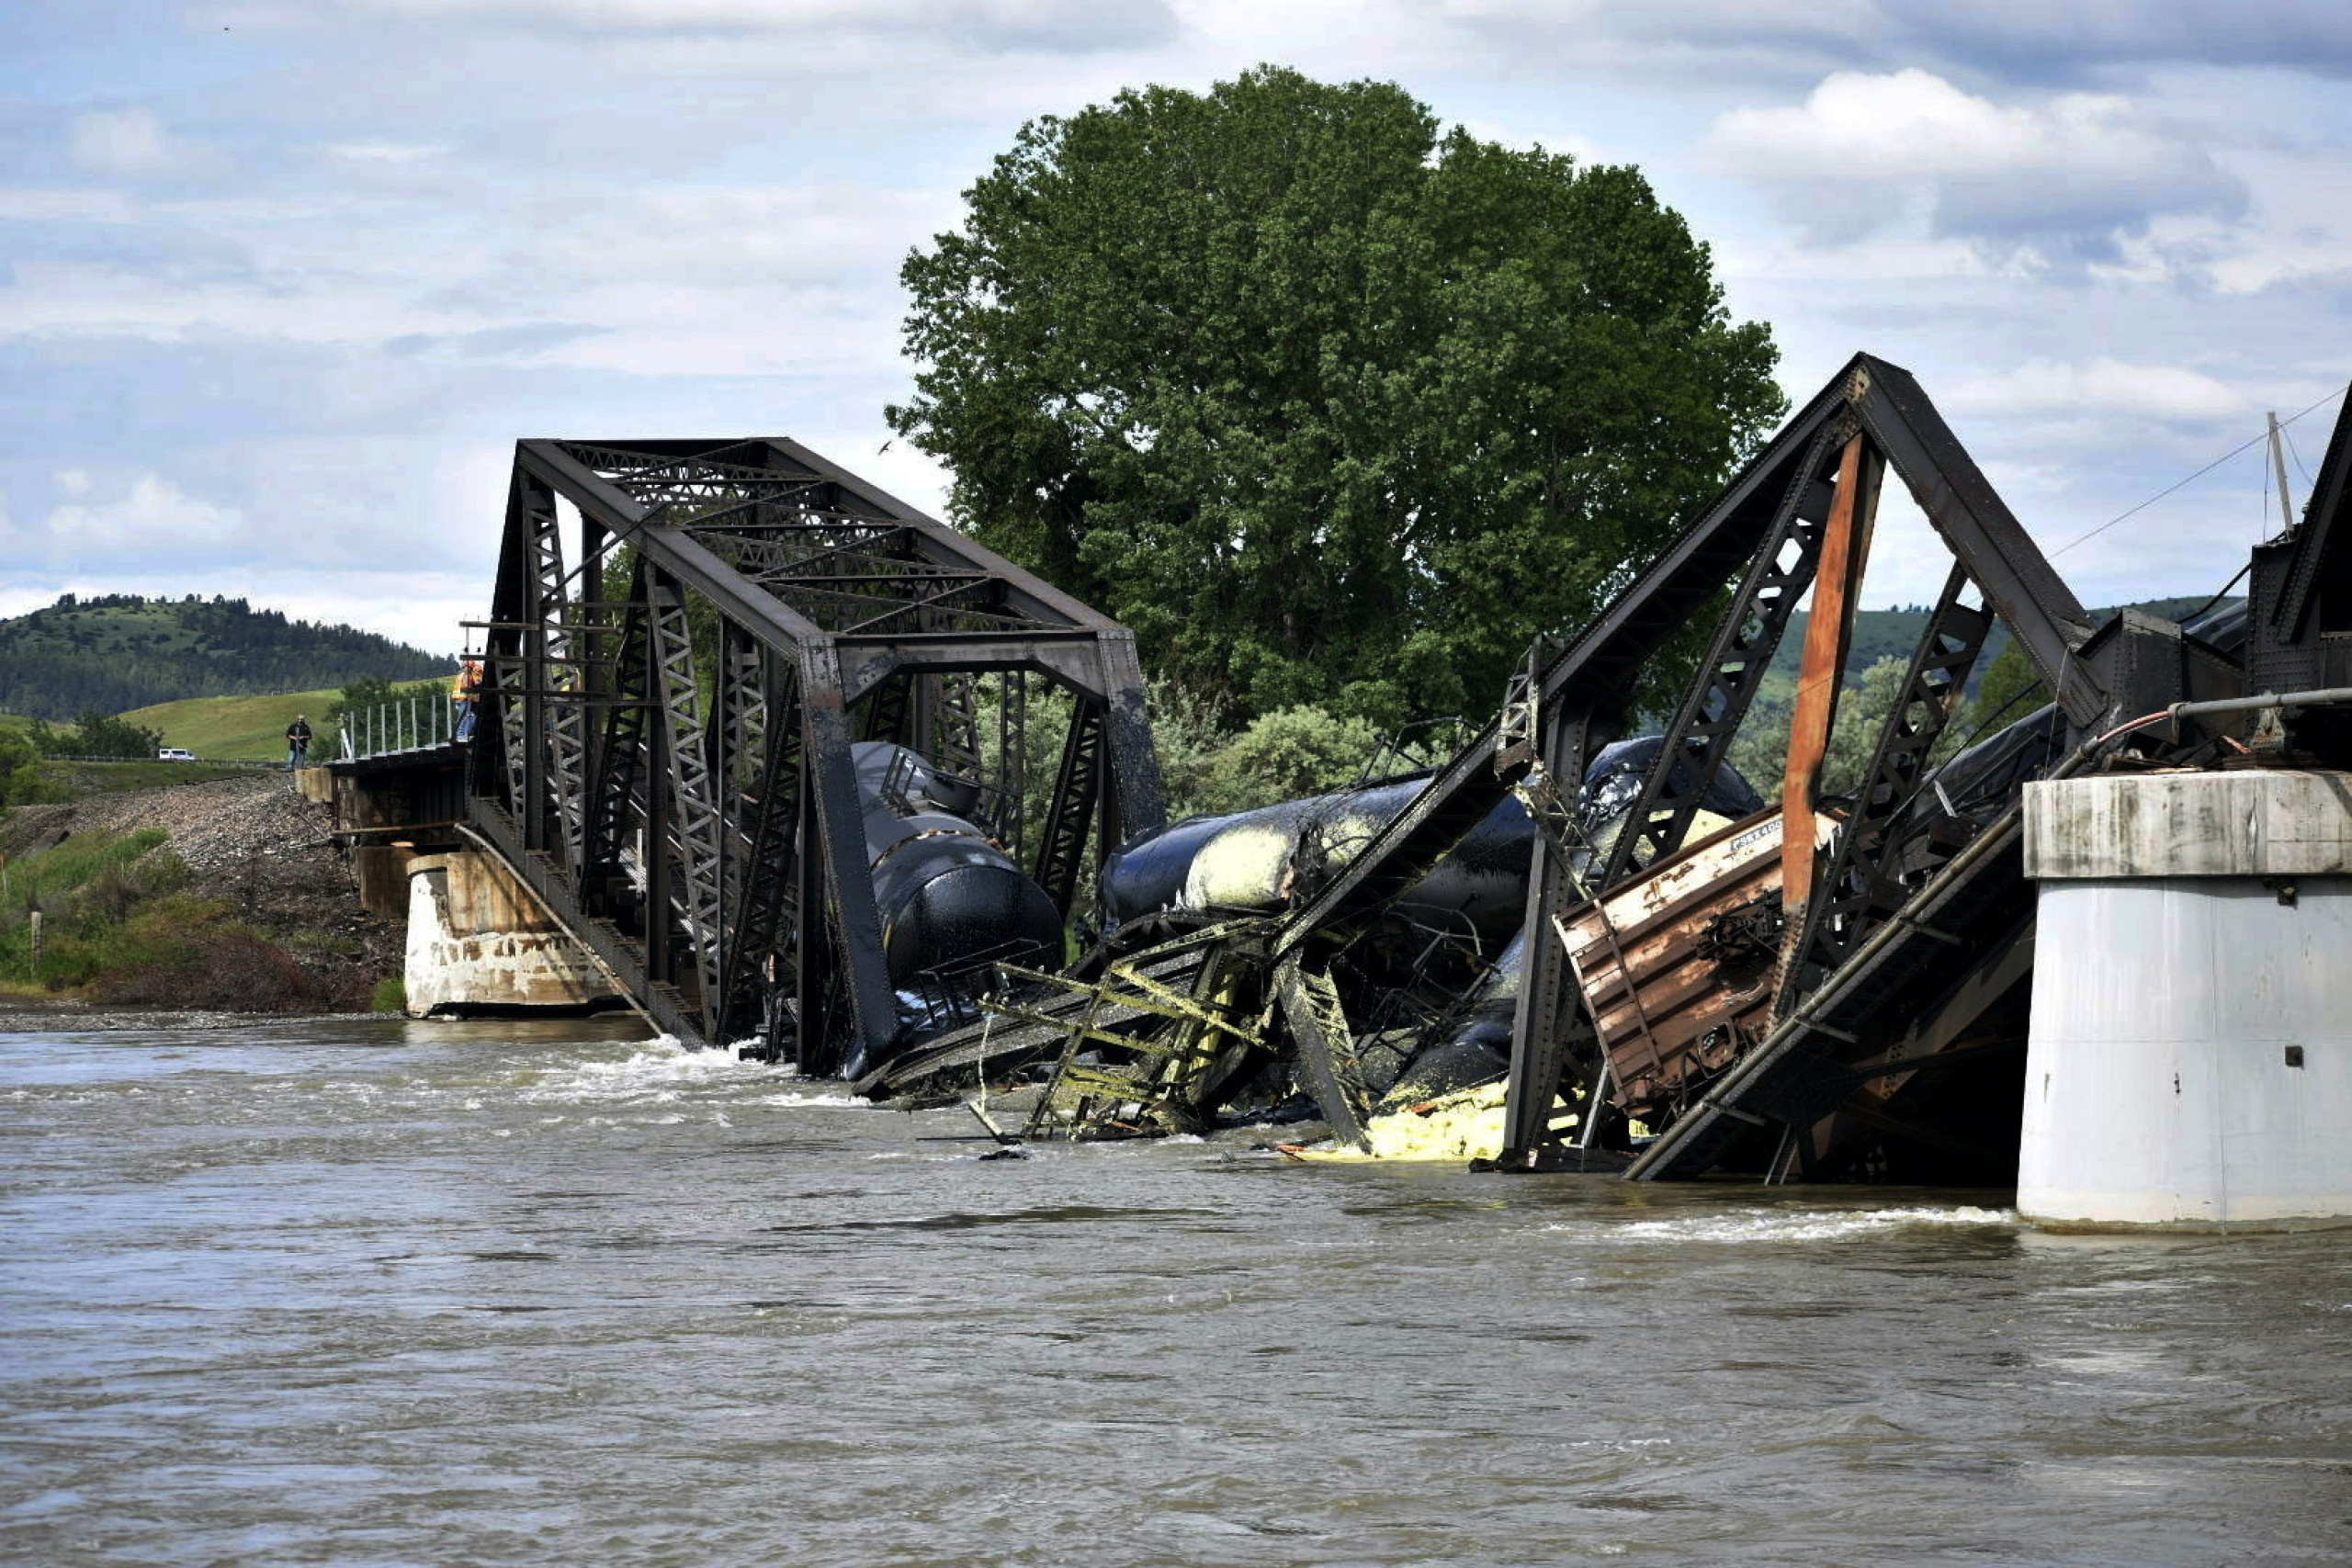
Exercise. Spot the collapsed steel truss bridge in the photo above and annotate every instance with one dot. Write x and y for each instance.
(1910, 953)
(663, 748)
(665, 757)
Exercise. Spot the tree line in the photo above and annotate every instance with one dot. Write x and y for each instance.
(113, 652)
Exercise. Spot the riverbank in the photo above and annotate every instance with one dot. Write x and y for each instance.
(22, 1015)
(229, 895)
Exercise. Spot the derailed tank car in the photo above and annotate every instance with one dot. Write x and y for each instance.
(1428, 991)
(952, 902)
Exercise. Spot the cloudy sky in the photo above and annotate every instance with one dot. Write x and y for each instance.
(281, 282)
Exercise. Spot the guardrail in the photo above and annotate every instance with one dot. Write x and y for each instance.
(183, 762)
(410, 724)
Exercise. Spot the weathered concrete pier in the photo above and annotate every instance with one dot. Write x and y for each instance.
(2190, 1061)
(479, 943)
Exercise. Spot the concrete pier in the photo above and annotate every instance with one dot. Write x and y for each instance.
(2190, 1062)
(478, 943)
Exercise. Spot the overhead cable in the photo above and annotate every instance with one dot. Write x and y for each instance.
(2251, 442)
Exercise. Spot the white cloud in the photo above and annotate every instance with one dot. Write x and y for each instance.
(1074, 25)
(2102, 388)
(722, 280)
(154, 515)
(2018, 39)
(2062, 38)
(130, 143)
(385, 151)
(1887, 259)
(1863, 150)
(729, 234)
(2283, 261)
(60, 206)
(73, 482)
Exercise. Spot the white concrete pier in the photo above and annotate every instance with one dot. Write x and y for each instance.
(2190, 1066)
(478, 943)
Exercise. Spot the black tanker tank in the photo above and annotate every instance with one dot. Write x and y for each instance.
(1256, 860)
(950, 900)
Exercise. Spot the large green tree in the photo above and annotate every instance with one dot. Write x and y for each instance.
(1330, 408)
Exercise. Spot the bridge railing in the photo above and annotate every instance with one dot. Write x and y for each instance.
(408, 724)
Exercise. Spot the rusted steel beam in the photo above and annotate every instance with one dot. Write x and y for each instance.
(1857, 880)
(1845, 551)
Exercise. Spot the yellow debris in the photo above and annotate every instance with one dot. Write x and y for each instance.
(1464, 1125)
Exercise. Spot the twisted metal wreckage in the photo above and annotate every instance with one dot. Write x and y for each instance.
(777, 787)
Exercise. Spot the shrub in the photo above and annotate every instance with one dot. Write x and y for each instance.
(116, 920)
(218, 968)
(1287, 753)
(96, 734)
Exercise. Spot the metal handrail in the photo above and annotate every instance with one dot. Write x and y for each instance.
(405, 724)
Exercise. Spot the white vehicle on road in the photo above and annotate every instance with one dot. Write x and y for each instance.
(175, 754)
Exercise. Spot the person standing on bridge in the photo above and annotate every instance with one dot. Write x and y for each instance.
(297, 742)
(465, 691)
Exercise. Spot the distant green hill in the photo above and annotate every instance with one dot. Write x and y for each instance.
(1892, 634)
(120, 651)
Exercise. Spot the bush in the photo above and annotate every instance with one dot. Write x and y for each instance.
(116, 922)
(1293, 752)
(22, 782)
(1290, 753)
(219, 967)
(1190, 745)
(96, 735)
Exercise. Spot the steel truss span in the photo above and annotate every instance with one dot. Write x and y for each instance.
(1901, 922)
(686, 639)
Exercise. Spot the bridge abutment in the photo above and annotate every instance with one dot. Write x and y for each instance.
(478, 944)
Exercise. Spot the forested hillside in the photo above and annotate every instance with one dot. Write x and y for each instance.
(118, 651)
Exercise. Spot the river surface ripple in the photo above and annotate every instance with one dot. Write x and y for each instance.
(370, 1292)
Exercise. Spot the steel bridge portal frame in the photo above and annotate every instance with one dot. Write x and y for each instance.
(716, 757)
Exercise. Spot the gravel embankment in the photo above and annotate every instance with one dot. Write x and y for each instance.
(214, 825)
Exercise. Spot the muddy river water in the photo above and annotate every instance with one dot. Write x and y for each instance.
(370, 1293)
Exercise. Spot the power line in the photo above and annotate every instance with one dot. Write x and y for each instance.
(2297, 456)
(2200, 474)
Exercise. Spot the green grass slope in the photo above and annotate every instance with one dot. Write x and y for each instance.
(73, 780)
(235, 728)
